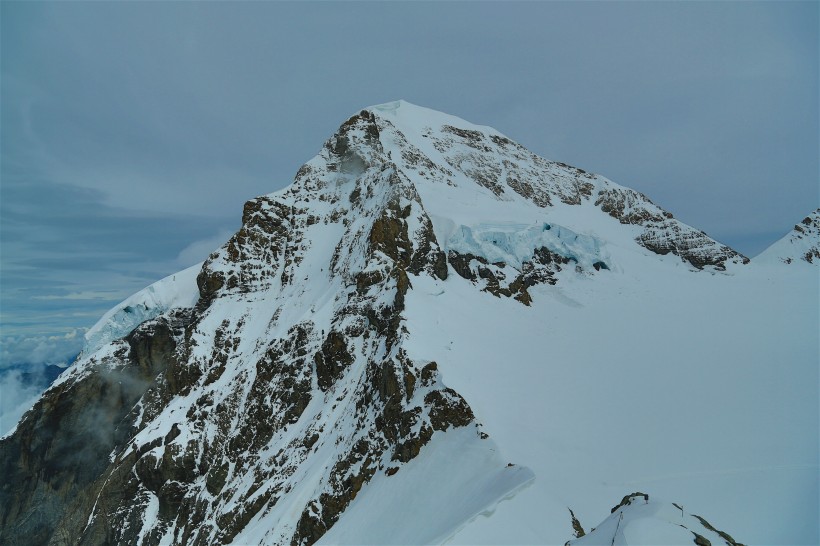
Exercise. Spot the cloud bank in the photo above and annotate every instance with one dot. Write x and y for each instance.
(54, 349)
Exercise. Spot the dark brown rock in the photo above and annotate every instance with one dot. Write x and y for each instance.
(576, 525)
(332, 359)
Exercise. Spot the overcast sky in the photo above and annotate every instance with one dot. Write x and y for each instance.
(132, 133)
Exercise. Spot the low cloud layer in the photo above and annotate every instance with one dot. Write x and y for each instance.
(47, 349)
(20, 389)
(68, 258)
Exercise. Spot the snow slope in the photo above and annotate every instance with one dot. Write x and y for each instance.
(698, 388)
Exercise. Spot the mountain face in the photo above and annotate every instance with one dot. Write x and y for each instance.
(802, 244)
(329, 374)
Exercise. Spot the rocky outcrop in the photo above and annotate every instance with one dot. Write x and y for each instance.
(577, 528)
(629, 499)
(809, 228)
(695, 247)
(662, 233)
(500, 279)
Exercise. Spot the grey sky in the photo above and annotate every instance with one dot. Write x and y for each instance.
(133, 132)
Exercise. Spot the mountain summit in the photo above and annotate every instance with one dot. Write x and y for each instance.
(431, 335)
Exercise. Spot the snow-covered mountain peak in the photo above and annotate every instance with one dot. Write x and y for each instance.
(414, 120)
(800, 245)
(502, 216)
(328, 374)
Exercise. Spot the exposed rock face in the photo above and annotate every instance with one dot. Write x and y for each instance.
(692, 246)
(809, 228)
(61, 448)
(286, 387)
(662, 233)
(500, 279)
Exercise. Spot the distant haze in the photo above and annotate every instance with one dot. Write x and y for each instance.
(132, 133)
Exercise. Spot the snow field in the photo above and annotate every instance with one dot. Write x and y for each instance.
(698, 388)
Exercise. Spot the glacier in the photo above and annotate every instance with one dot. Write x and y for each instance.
(515, 244)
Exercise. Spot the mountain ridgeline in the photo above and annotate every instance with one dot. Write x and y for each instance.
(280, 399)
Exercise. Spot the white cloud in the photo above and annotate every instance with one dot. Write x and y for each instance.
(16, 399)
(105, 295)
(199, 250)
(55, 349)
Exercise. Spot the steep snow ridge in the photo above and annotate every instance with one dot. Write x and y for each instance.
(800, 245)
(174, 291)
(431, 498)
